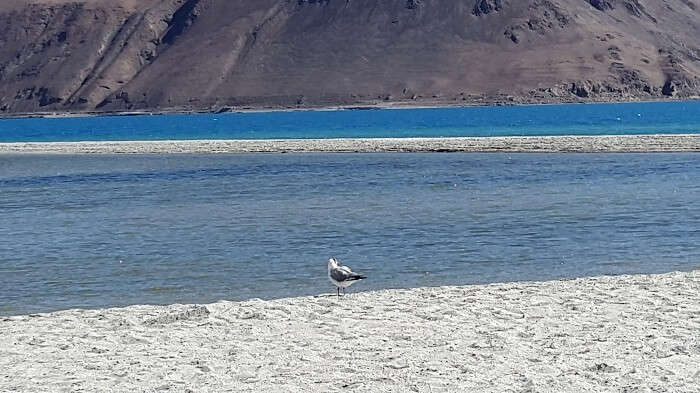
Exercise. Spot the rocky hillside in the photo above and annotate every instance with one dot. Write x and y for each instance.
(121, 55)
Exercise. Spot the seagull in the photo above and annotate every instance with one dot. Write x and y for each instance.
(341, 276)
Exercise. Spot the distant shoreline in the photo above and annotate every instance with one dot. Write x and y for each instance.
(378, 105)
(530, 144)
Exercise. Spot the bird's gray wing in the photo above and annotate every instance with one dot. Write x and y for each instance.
(344, 273)
(340, 274)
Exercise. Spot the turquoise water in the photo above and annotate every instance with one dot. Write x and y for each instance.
(97, 231)
(575, 119)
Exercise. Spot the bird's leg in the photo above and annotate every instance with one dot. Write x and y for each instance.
(338, 291)
(343, 291)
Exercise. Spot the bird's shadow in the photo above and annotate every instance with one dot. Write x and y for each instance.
(328, 295)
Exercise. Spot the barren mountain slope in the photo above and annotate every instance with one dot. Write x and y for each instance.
(112, 55)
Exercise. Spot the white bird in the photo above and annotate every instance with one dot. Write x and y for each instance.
(341, 276)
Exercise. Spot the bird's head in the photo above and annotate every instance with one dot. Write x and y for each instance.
(332, 263)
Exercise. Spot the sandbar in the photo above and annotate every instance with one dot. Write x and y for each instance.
(589, 144)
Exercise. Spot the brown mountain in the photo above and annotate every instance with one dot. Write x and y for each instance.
(117, 55)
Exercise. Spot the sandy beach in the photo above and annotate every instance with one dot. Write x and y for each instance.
(609, 143)
(624, 333)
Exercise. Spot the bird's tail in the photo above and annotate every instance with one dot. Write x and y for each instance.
(358, 277)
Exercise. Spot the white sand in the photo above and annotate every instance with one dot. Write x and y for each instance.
(629, 143)
(623, 334)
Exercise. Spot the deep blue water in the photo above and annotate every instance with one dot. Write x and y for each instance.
(574, 119)
(96, 231)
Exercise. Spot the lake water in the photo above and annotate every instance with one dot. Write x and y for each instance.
(574, 119)
(96, 231)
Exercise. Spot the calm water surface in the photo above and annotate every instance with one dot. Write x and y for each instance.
(96, 231)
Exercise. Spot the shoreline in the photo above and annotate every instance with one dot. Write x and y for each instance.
(631, 332)
(372, 105)
(511, 144)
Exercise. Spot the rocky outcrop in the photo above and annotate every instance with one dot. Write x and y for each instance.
(485, 7)
(121, 55)
(602, 5)
(544, 16)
